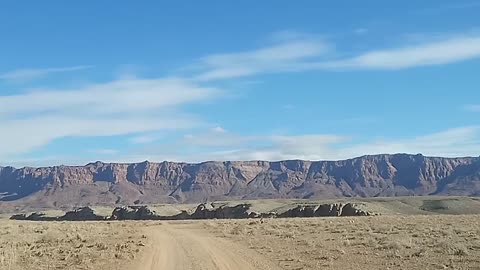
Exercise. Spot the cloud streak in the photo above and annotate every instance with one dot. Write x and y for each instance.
(120, 96)
(304, 53)
(462, 141)
(427, 54)
(121, 107)
(22, 75)
(282, 57)
(142, 107)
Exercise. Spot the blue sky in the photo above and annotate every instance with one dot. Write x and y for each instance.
(211, 80)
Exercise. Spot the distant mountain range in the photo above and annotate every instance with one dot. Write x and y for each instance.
(169, 182)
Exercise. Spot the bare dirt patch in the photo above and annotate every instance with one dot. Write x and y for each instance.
(185, 245)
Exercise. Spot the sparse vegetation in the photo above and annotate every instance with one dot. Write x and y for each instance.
(69, 245)
(400, 238)
(434, 206)
(388, 242)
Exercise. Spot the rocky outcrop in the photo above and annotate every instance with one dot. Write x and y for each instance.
(81, 214)
(202, 211)
(133, 213)
(19, 217)
(325, 210)
(209, 211)
(34, 217)
(169, 182)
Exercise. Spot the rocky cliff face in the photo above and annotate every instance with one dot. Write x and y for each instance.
(368, 176)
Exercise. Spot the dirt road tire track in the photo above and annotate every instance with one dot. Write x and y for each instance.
(186, 247)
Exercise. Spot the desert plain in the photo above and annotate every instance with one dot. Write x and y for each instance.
(408, 233)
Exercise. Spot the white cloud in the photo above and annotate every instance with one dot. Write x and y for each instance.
(294, 53)
(20, 75)
(142, 107)
(280, 57)
(215, 137)
(121, 96)
(21, 136)
(230, 146)
(34, 119)
(432, 53)
(463, 141)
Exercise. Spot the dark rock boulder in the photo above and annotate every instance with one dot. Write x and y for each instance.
(255, 215)
(233, 212)
(133, 213)
(33, 217)
(300, 211)
(267, 215)
(329, 210)
(350, 209)
(19, 217)
(81, 214)
(40, 217)
(209, 211)
(184, 215)
(204, 211)
(324, 210)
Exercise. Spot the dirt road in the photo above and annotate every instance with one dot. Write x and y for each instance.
(188, 247)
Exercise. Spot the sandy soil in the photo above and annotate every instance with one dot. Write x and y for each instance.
(185, 246)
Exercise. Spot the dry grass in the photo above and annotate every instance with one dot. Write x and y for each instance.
(69, 245)
(388, 242)
(379, 242)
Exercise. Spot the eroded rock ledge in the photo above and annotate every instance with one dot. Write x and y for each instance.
(203, 211)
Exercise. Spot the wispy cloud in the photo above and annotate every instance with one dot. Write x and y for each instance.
(115, 108)
(21, 75)
(280, 57)
(463, 141)
(296, 53)
(216, 137)
(120, 96)
(426, 54)
(141, 107)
